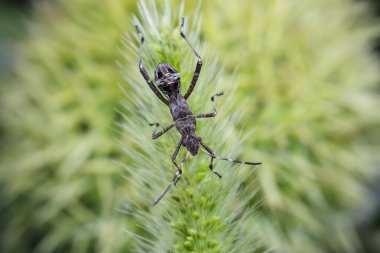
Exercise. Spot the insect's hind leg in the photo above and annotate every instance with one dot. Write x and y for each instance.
(177, 175)
(212, 168)
(212, 160)
(213, 114)
(213, 156)
(174, 160)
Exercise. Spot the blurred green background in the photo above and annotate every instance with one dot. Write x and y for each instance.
(308, 70)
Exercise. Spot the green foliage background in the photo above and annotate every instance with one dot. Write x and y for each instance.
(304, 68)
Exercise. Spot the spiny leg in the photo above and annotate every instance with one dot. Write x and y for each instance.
(212, 168)
(156, 135)
(213, 114)
(198, 68)
(178, 174)
(211, 153)
(213, 156)
(164, 130)
(145, 73)
(174, 156)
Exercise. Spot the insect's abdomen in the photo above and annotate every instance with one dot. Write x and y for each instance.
(186, 126)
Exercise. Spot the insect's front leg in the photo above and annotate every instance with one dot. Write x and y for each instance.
(197, 68)
(156, 135)
(145, 74)
(213, 114)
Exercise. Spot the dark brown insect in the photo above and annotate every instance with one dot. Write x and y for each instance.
(169, 83)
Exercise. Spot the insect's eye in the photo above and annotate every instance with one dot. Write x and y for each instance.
(160, 75)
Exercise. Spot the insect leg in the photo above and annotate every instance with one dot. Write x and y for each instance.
(145, 73)
(209, 152)
(213, 114)
(177, 175)
(156, 135)
(199, 63)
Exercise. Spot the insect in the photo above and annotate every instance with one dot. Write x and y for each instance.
(168, 91)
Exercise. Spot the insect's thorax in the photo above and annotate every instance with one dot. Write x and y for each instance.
(179, 110)
(178, 106)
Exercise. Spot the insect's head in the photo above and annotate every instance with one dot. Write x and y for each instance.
(192, 143)
(167, 79)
